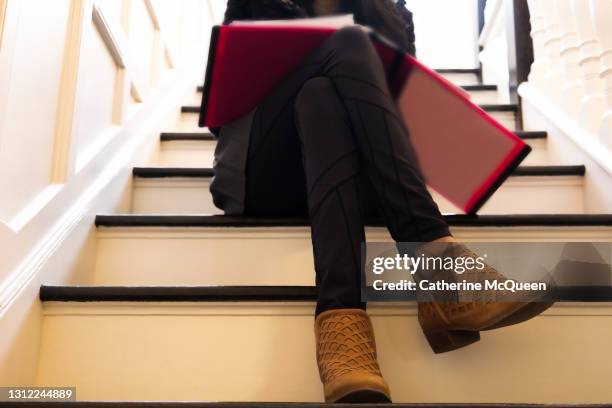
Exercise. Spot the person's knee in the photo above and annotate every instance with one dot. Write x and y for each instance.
(351, 36)
(353, 40)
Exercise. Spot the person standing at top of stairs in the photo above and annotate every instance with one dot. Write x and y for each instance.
(325, 141)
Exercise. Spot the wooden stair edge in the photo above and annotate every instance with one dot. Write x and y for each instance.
(513, 220)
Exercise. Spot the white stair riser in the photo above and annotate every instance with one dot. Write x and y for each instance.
(255, 256)
(519, 195)
(484, 97)
(186, 153)
(462, 78)
(265, 352)
(201, 153)
(188, 122)
(539, 155)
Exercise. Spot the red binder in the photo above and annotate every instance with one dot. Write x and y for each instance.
(464, 154)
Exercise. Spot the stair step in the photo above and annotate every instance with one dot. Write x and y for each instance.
(196, 149)
(490, 107)
(524, 171)
(217, 250)
(481, 93)
(542, 189)
(530, 171)
(503, 113)
(484, 94)
(531, 220)
(470, 76)
(589, 294)
(159, 404)
(206, 136)
(479, 87)
(469, 87)
(155, 404)
(443, 71)
(191, 136)
(264, 351)
(531, 134)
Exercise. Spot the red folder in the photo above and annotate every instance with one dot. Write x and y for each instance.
(464, 154)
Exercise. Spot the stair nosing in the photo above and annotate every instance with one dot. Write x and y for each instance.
(456, 220)
(499, 107)
(531, 134)
(206, 136)
(479, 87)
(171, 172)
(457, 70)
(197, 404)
(466, 87)
(488, 107)
(206, 172)
(247, 293)
(176, 136)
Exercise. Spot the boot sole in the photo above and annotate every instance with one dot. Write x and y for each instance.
(442, 341)
(364, 397)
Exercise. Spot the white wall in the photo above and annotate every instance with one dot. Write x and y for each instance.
(85, 88)
(446, 32)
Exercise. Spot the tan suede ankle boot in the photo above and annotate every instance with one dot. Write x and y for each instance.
(449, 325)
(346, 356)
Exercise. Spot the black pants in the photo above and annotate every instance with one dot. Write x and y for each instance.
(326, 141)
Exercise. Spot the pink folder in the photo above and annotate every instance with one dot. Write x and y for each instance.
(465, 154)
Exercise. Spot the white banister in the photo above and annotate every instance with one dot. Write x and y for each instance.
(555, 76)
(573, 87)
(541, 63)
(572, 68)
(592, 104)
(601, 13)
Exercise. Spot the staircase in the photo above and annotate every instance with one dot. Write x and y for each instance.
(191, 305)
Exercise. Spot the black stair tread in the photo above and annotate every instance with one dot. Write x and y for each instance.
(164, 172)
(245, 293)
(190, 109)
(479, 87)
(499, 107)
(197, 172)
(457, 70)
(172, 136)
(175, 404)
(489, 107)
(531, 134)
(571, 170)
(457, 220)
(472, 87)
(178, 293)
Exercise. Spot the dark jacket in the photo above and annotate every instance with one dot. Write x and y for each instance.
(392, 20)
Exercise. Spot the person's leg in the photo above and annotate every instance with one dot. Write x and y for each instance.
(313, 173)
(347, 120)
(351, 63)
(345, 345)
(332, 165)
(349, 60)
(317, 172)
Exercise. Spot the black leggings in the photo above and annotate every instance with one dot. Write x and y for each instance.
(323, 143)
